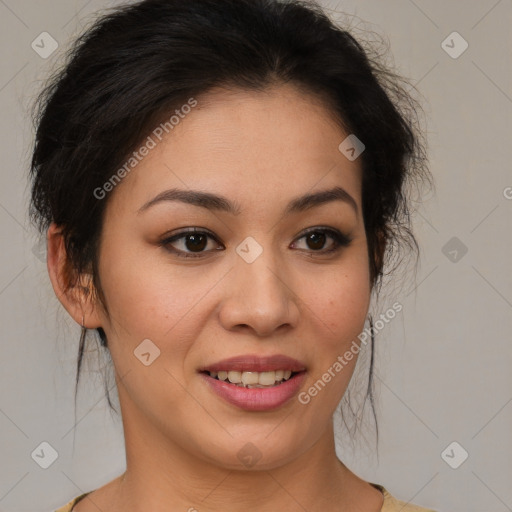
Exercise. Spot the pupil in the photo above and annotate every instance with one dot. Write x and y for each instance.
(318, 240)
(197, 242)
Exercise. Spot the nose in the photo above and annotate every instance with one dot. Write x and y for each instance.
(259, 298)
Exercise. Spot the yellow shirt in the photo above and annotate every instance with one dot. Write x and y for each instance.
(391, 504)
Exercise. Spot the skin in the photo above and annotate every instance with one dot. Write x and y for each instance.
(260, 149)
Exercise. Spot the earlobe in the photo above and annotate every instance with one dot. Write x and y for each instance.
(75, 294)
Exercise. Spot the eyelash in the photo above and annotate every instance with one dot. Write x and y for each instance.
(340, 240)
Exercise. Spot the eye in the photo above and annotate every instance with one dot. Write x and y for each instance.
(192, 243)
(316, 238)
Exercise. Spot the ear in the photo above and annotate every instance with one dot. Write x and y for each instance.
(76, 295)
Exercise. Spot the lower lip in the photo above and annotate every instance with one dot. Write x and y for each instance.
(256, 399)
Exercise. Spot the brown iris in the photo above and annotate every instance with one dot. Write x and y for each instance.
(196, 242)
(317, 238)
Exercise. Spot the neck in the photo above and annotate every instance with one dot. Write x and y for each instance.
(161, 475)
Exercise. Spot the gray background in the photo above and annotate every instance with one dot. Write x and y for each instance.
(442, 365)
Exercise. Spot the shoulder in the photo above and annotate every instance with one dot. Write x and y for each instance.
(392, 504)
(68, 507)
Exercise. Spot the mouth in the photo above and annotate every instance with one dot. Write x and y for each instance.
(250, 380)
(255, 383)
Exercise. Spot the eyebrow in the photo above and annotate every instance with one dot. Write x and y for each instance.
(219, 203)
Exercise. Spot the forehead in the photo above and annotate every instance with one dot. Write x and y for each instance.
(252, 146)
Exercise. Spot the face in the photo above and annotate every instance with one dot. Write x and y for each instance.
(257, 284)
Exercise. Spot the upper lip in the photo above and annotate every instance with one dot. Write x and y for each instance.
(255, 363)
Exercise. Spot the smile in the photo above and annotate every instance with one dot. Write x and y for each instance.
(253, 379)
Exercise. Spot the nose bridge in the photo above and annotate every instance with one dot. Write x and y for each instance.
(262, 280)
(259, 296)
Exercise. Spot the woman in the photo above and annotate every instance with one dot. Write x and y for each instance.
(221, 183)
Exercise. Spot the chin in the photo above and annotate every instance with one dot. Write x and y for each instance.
(254, 449)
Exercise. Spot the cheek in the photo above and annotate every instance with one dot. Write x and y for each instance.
(338, 306)
(147, 300)
(339, 300)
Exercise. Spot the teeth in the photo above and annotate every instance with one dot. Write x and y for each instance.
(266, 379)
(235, 377)
(250, 378)
(253, 379)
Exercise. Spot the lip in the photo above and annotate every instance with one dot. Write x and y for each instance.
(256, 399)
(255, 363)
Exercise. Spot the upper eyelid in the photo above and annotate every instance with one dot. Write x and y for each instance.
(188, 231)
